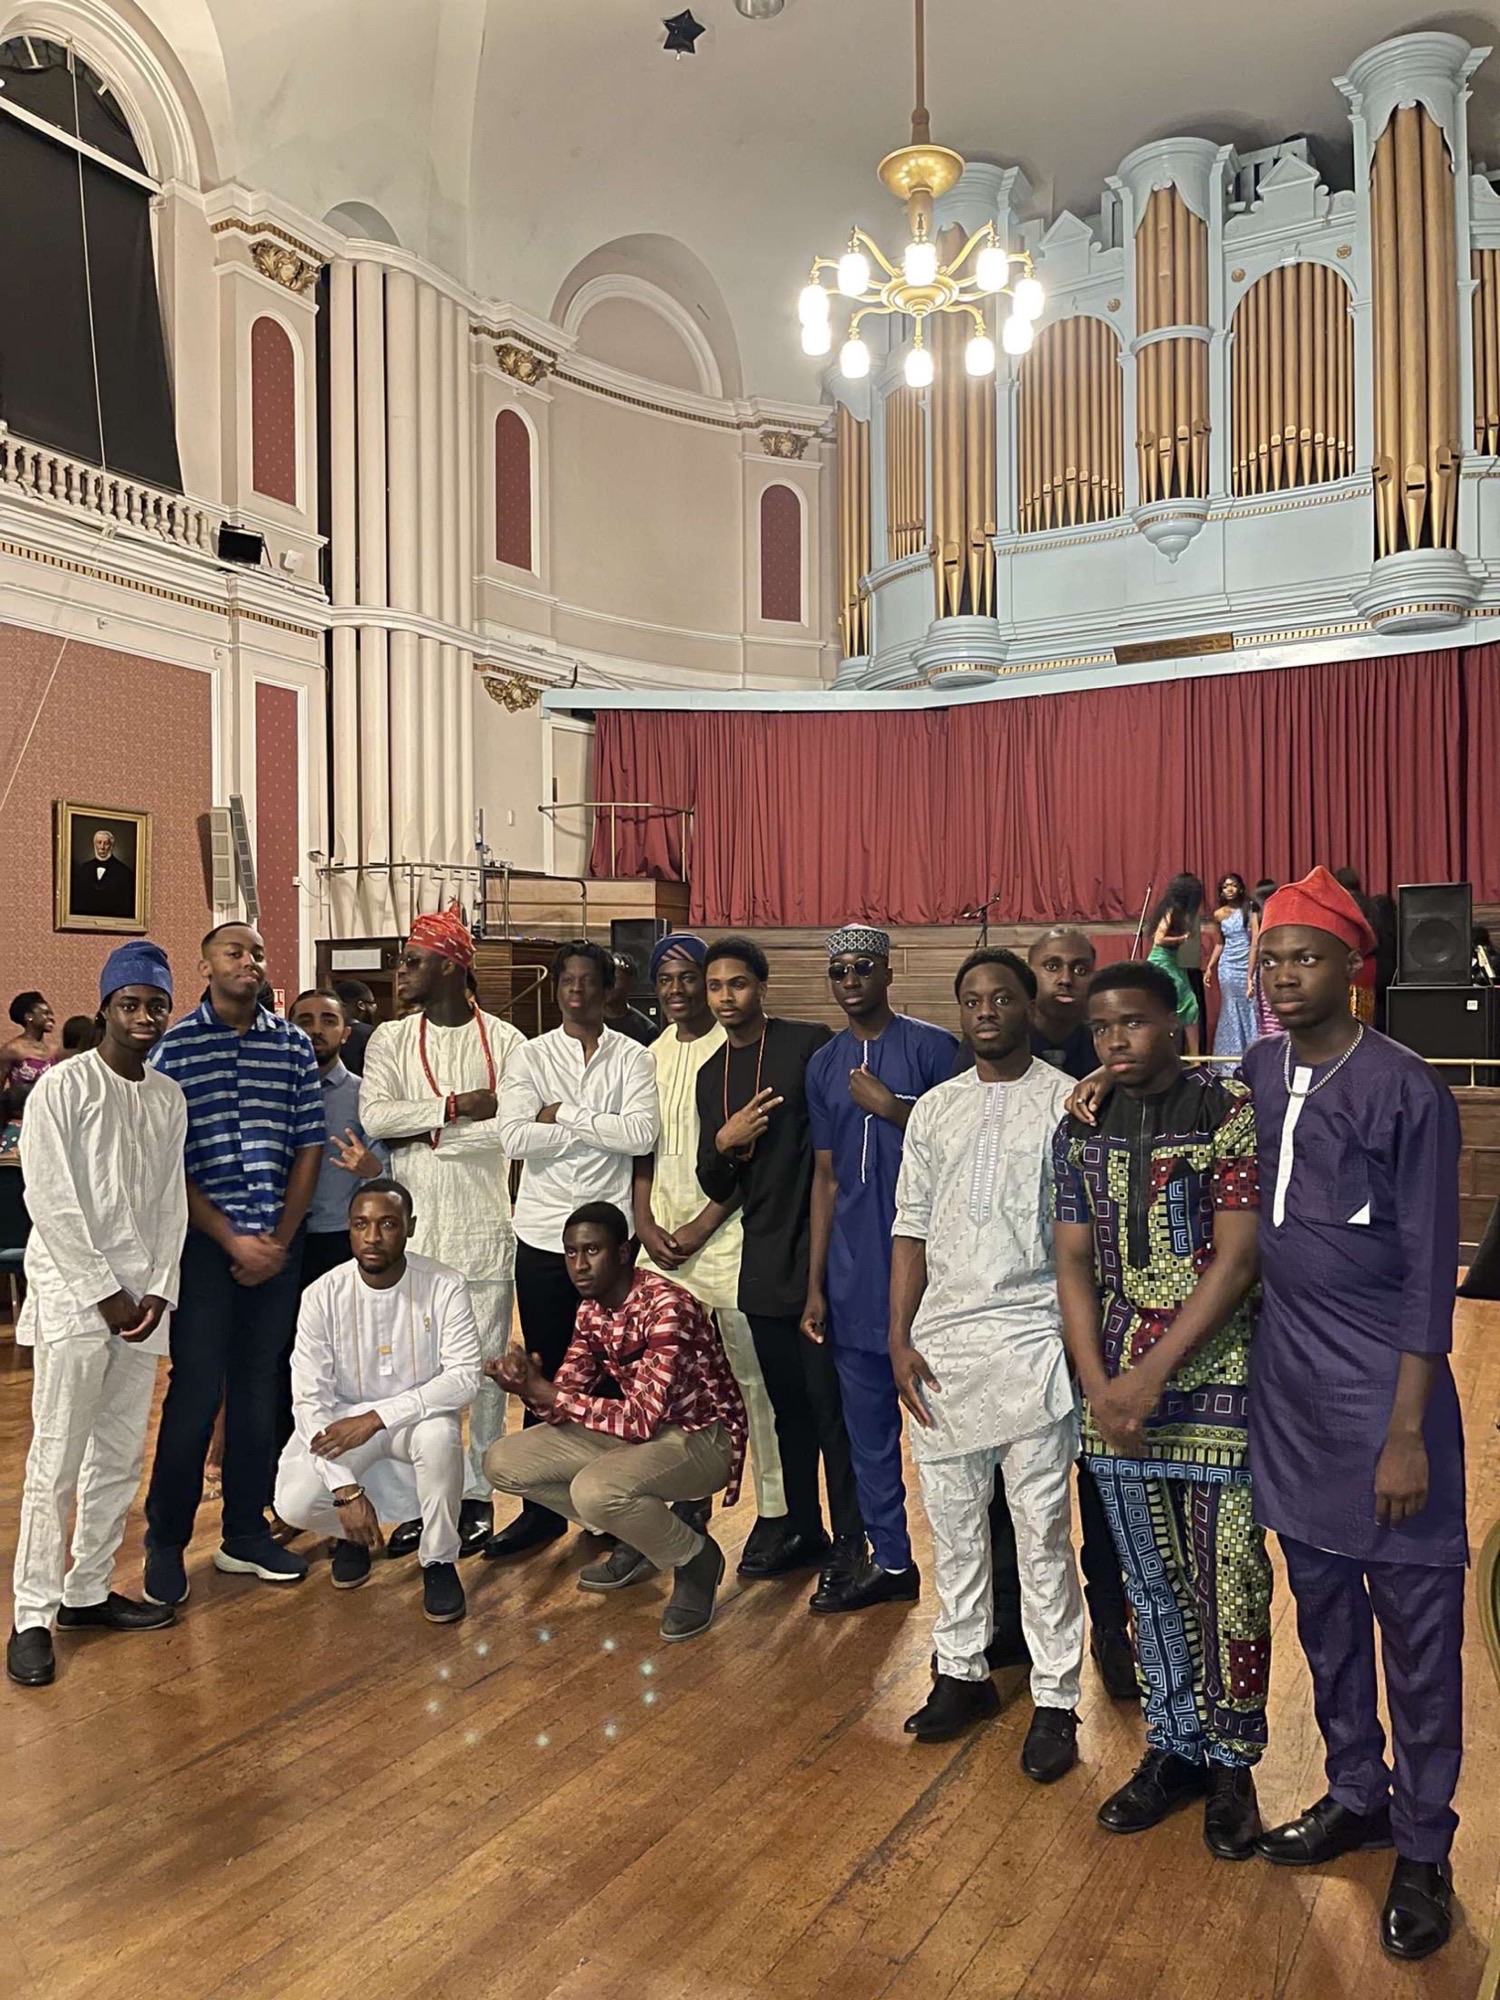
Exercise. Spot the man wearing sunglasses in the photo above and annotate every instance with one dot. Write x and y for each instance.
(860, 1091)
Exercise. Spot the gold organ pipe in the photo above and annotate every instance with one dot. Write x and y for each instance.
(1070, 455)
(1444, 444)
(1412, 321)
(1487, 352)
(1387, 345)
(1292, 371)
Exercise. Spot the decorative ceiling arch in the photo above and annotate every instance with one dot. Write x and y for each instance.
(622, 285)
(362, 220)
(664, 275)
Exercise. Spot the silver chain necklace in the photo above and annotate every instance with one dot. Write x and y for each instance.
(1286, 1065)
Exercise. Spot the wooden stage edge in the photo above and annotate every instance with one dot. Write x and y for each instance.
(306, 1795)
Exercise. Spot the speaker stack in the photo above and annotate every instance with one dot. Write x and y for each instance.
(1433, 1007)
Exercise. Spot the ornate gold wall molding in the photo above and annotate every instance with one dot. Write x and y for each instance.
(1070, 428)
(1171, 289)
(513, 692)
(528, 365)
(784, 444)
(1292, 381)
(853, 447)
(283, 266)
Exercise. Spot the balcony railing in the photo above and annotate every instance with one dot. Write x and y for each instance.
(97, 494)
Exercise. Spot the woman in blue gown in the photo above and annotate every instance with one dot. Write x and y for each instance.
(1237, 1027)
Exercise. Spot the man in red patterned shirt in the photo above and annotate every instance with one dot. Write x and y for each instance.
(676, 1431)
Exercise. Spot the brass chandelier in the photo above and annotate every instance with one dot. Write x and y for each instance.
(922, 284)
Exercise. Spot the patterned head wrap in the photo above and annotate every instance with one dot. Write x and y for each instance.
(681, 944)
(1321, 903)
(859, 938)
(446, 934)
(139, 963)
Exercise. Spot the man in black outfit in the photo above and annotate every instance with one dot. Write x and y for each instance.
(103, 886)
(359, 1004)
(755, 1145)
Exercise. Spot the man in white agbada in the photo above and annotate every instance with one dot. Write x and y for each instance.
(977, 1352)
(431, 1089)
(385, 1363)
(101, 1150)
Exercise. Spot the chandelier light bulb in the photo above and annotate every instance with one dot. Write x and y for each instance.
(979, 355)
(854, 274)
(854, 358)
(1017, 334)
(991, 268)
(1029, 299)
(918, 369)
(919, 265)
(812, 309)
(817, 339)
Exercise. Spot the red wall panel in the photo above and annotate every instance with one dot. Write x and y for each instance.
(273, 411)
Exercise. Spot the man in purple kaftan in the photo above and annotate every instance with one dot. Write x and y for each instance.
(1356, 1441)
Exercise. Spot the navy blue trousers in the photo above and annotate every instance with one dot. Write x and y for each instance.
(872, 1417)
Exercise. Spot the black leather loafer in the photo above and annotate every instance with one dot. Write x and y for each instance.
(29, 1658)
(1163, 1781)
(951, 1708)
(1323, 1833)
(869, 1584)
(1051, 1747)
(115, 1614)
(1418, 1913)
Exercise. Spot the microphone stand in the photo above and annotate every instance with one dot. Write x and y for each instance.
(1135, 949)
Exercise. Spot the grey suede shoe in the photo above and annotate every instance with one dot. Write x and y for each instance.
(691, 1609)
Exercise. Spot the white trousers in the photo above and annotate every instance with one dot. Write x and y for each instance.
(416, 1470)
(494, 1305)
(90, 1403)
(956, 1494)
(765, 1453)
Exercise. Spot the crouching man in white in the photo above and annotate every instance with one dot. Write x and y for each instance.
(385, 1363)
(101, 1149)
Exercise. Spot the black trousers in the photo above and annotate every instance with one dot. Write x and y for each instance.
(227, 1342)
(323, 1250)
(803, 1386)
(1103, 1585)
(548, 1305)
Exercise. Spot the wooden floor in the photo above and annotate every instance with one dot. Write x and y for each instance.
(297, 1794)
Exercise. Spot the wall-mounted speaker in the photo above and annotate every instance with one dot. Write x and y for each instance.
(241, 545)
(1433, 923)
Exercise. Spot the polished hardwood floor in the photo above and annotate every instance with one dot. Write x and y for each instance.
(297, 1794)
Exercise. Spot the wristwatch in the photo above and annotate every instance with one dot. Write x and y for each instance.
(348, 1499)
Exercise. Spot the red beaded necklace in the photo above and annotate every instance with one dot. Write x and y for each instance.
(432, 1083)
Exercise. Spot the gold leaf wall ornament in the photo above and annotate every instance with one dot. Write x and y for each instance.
(784, 444)
(528, 365)
(283, 266)
(513, 692)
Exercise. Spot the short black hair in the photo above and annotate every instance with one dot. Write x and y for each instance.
(80, 1032)
(745, 950)
(316, 993)
(1135, 975)
(229, 924)
(352, 992)
(1017, 965)
(385, 1184)
(602, 960)
(1054, 931)
(604, 1215)
(22, 1005)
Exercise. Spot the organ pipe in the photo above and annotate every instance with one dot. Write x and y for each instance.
(1417, 444)
(1069, 427)
(963, 472)
(853, 441)
(1171, 250)
(1292, 381)
(1487, 351)
(905, 473)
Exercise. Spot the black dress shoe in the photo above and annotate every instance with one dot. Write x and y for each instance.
(1163, 1781)
(351, 1565)
(1051, 1746)
(476, 1523)
(846, 1558)
(869, 1584)
(443, 1600)
(1231, 1818)
(528, 1531)
(795, 1551)
(28, 1658)
(763, 1540)
(1115, 1658)
(115, 1614)
(1418, 1913)
(1323, 1833)
(404, 1541)
(951, 1708)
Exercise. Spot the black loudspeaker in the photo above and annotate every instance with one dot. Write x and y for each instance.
(634, 938)
(240, 545)
(1433, 921)
(1456, 1022)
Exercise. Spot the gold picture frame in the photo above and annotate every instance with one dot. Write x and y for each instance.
(101, 868)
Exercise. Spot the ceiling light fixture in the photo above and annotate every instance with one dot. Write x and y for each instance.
(922, 284)
(758, 10)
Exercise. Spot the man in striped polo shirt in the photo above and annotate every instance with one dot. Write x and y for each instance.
(255, 1140)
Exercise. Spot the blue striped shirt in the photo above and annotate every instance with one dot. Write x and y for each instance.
(254, 1102)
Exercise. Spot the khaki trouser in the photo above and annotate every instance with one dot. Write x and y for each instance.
(614, 1487)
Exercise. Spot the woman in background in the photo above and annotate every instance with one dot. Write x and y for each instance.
(1186, 892)
(1238, 926)
(1170, 929)
(26, 1055)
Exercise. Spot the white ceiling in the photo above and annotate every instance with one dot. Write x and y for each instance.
(507, 139)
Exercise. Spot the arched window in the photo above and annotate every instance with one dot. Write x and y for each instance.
(512, 490)
(83, 363)
(781, 555)
(273, 411)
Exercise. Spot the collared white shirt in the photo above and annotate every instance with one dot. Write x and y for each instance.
(408, 1352)
(107, 1195)
(607, 1114)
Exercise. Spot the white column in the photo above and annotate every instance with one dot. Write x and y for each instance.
(464, 433)
(447, 521)
(403, 530)
(344, 842)
(374, 688)
(429, 580)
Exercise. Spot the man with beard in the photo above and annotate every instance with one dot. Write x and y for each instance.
(861, 1088)
(431, 1092)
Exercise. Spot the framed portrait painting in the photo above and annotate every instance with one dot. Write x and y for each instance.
(101, 868)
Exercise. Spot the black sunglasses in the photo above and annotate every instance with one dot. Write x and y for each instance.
(860, 967)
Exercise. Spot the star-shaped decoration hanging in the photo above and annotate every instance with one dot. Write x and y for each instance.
(682, 32)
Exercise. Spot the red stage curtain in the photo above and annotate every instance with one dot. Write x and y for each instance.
(1068, 805)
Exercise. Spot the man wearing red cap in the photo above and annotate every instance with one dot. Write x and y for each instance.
(1356, 1442)
(431, 1089)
